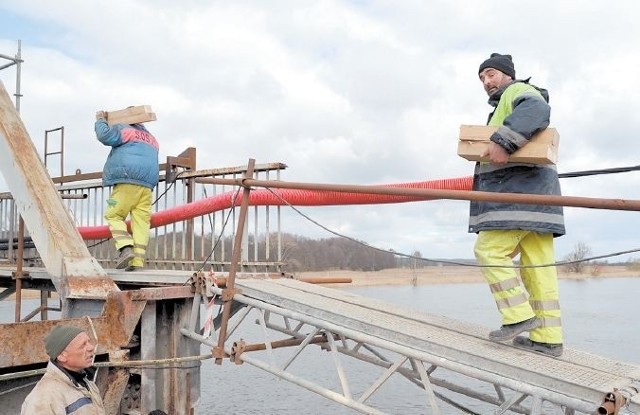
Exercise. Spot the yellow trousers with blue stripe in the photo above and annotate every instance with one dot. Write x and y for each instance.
(130, 199)
(541, 284)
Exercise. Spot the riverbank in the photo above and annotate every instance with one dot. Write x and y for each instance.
(452, 275)
(423, 276)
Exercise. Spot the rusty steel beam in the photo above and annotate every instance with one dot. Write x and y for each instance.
(113, 382)
(19, 352)
(113, 330)
(59, 243)
(431, 194)
(163, 293)
(241, 346)
(121, 314)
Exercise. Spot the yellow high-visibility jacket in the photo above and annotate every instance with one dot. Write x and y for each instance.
(520, 112)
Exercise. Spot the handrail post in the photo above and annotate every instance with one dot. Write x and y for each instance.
(230, 290)
(19, 274)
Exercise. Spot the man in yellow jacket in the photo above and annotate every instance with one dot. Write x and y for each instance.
(506, 229)
(66, 387)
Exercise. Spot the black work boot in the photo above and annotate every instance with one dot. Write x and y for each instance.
(509, 331)
(551, 349)
(125, 255)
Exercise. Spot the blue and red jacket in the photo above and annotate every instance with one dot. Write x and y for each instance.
(134, 154)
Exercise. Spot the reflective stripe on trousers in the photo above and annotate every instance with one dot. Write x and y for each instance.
(130, 199)
(541, 284)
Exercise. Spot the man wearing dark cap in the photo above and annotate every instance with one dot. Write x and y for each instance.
(65, 387)
(506, 229)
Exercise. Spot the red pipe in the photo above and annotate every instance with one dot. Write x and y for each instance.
(263, 197)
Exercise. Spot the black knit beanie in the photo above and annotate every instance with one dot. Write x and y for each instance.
(503, 63)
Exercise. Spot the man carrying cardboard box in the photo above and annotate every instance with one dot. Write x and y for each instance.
(506, 229)
(132, 169)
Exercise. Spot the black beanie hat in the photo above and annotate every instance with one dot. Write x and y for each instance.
(503, 63)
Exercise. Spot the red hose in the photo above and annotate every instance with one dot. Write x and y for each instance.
(263, 197)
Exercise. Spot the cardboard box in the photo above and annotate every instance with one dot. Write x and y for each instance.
(131, 115)
(541, 149)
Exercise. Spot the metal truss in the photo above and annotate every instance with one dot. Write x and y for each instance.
(285, 334)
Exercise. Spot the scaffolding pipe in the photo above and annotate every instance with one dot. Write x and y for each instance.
(426, 194)
(227, 293)
(320, 194)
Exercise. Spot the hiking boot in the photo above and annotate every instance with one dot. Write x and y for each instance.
(131, 268)
(123, 258)
(509, 331)
(551, 349)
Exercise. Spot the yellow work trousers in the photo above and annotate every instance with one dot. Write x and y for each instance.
(130, 199)
(497, 248)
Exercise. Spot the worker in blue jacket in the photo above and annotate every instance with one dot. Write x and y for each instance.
(508, 229)
(133, 171)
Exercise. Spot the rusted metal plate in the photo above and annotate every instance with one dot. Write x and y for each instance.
(162, 293)
(113, 382)
(113, 330)
(121, 315)
(90, 287)
(23, 343)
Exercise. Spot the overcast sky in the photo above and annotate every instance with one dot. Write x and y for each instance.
(359, 92)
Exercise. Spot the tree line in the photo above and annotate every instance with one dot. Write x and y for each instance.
(298, 253)
(301, 253)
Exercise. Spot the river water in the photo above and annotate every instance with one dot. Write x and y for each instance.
(599, 316)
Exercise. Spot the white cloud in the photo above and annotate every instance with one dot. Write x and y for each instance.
(362, 92)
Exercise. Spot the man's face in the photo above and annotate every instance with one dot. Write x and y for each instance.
(78, 354)
(492, 79)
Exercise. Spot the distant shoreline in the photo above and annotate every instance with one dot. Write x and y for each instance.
(422, 276)
(450, 275)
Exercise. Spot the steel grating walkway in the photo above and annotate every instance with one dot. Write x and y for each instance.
(436, 340)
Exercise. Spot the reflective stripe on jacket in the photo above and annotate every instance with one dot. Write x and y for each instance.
(57, 394)
(520, 112)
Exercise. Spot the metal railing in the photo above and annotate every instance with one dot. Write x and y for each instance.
(199, 243)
